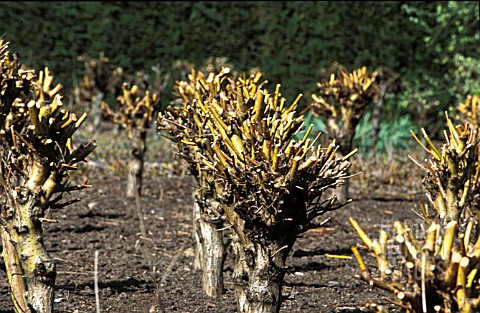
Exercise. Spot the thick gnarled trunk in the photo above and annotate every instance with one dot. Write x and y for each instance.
(344, 138)
(14, 273)
(197, 233)
(209, 247)
(30, 269)
(258, 277)
(342, 193)
(213, 253)
(135, 167)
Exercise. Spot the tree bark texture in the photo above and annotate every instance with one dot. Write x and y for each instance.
(30, 269)
(197, 243)
(342, 191)
(96, 111)
(258, 276)
(344, 138)
(209, 247)
(343, 135)
(135, 168)
(14, 273)
(213, 252)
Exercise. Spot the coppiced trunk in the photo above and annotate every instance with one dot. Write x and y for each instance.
(209, 247)
(258, 276)
(96, 111)
(342, 193)
(377, 115)
(14, 273)
(25, 254)
(196, 235)
(345, 147)
(213, 252)
(135, 168)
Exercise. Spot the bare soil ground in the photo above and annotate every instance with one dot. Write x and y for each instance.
(138, 273)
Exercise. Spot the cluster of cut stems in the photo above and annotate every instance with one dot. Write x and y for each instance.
(439, 272)
(241, 138)
(341, 102)
(36, 131)
(469, 111)
(134, 110)
(36, 155)
(452, 174)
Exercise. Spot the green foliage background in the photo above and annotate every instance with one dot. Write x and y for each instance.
(430, 44)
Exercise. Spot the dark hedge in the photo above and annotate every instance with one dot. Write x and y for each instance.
(291, 41)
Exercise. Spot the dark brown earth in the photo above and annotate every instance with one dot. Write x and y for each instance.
(104, 221)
